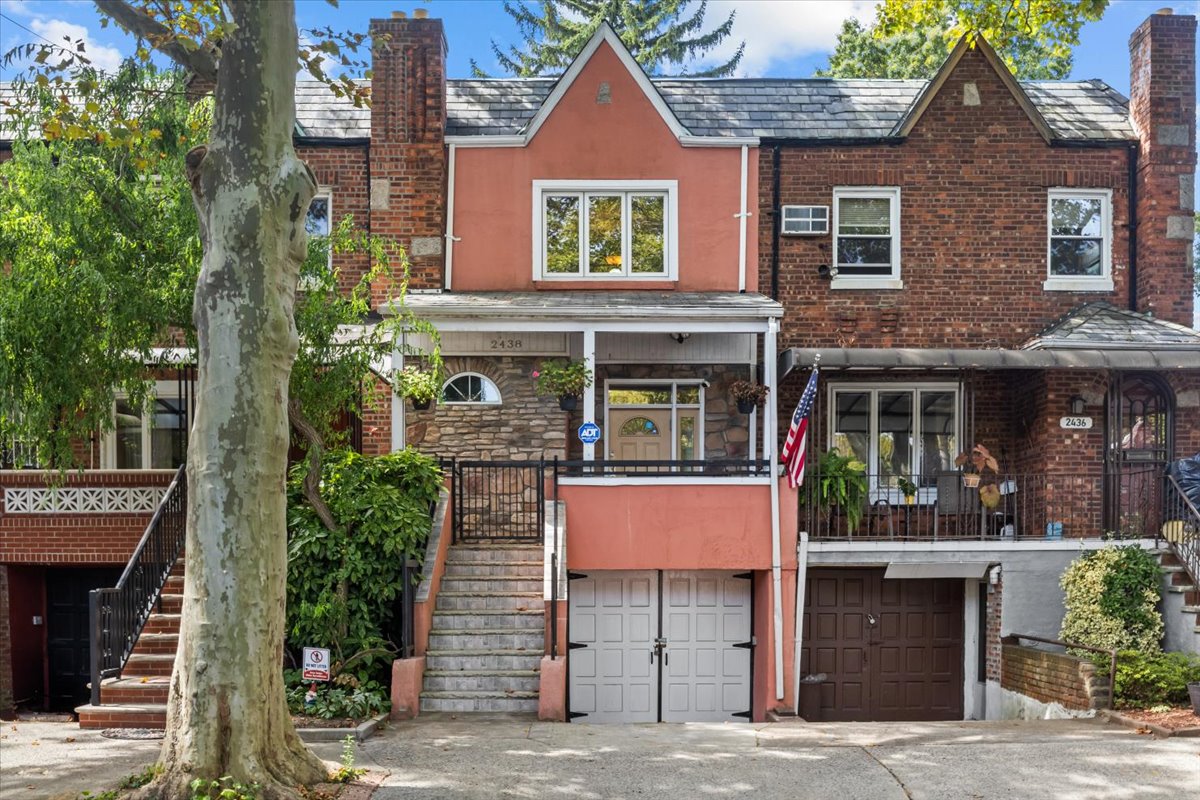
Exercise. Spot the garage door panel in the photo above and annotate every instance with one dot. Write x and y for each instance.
(679, 626)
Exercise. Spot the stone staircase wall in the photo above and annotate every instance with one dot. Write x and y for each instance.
(1180, 606)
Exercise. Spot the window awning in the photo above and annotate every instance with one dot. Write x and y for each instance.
(1149, 358)
(953, 569)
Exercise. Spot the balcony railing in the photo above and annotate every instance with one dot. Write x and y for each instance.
(1025, 507)
(720, 468)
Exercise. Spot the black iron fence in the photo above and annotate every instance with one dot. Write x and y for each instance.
(721, 468)
(1181, 526)
(499, 500)
(116, 616)
(1010, 506)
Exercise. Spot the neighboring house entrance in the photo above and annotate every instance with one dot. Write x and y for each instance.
(68, 644)
(1140, 446)
(891, 649)
(660, 646)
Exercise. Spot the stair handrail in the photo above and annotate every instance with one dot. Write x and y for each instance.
(1186, 542)
(117, 615)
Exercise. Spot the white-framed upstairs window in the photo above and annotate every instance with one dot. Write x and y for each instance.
(909, 431)
(605, 230)
(318, 223)
(154, 437)
(866, 237)
(470, 388)
(1079, 240)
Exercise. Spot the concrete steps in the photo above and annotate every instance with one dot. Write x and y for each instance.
(488, 635)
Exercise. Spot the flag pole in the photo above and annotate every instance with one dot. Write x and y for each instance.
(801, 590)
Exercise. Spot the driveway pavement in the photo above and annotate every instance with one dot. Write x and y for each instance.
(447, 757)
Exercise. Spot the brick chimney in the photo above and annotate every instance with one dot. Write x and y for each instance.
(1162, 108)
(408, 155)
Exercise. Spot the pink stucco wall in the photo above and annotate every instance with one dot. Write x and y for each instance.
(582, 139)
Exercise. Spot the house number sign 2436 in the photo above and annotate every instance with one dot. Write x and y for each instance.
(1075, 423)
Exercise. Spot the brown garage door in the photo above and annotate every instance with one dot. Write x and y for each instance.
(892, 649)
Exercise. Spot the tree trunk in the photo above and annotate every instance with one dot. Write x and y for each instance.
(227, 714)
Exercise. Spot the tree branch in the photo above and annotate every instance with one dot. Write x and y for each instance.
(312, 479)
(138, 23)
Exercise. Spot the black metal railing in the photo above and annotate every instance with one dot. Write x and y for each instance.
(1010, 506)
(721, 468)
(117, 616)
(1181, 527)
(499, 500)
(554, 561)
(410, 577)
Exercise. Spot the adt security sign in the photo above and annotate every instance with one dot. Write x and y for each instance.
(589, 433)
(316, 664)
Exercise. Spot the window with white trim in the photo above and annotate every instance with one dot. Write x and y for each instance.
(866, 226)
(1079, 240)
(151, 438)
(318, 223)
(604, 230)
(470, 388)
(897, 430)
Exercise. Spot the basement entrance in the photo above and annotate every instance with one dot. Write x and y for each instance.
(68, 645)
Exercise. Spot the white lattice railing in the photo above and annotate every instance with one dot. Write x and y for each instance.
(83, 500)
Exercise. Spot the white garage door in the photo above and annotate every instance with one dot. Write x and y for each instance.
(701, 671)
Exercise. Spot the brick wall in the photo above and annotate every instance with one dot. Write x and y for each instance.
(1162, 106)
(523, 426)
(6, 693)
(1052, 677)
(408, 158)
(74, 538)
(343, 171)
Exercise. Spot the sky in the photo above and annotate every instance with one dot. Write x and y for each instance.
(784, 38)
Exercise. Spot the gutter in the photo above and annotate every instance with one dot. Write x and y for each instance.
(775, 214)
(1132, 164)
(331, 141)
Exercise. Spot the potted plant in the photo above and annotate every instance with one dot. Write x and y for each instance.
(419, 385)
(842, 487)
(908, 489)
(976, 465)
(748, 395)
(563, 379)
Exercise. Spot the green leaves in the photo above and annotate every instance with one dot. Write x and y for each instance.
(1111, 599)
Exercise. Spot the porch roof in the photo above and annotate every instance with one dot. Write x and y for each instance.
(1105, 326)
(594, 306)
(1145, 358)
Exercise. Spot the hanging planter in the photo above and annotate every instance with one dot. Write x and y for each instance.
(420, 386)
(421, 405)
(748, 395)
(971, 479)
(568, 402)
(563, 379)
(745, 406)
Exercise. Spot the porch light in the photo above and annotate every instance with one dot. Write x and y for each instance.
(1076, 405)
(680, 338)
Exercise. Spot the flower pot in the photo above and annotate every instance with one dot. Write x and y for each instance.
(745, 406)
(909, 499)
(420, 405)
(970, 480)
(1194, 693)
(568, 402)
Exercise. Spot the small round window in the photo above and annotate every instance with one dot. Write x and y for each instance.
(470, 387)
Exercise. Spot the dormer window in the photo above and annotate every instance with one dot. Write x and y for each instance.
(604, 230)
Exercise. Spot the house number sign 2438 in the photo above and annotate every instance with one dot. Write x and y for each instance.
(506, 344)
(1075, 423)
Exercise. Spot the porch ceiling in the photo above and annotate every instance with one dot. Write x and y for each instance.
(1143, 358)
(594, 306)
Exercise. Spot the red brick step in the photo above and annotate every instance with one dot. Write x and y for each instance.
(150, 715)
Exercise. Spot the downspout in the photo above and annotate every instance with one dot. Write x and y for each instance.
(450, 237)
(743, 214)
(798, 638)
(770, 368)
(775, 223)
(1133, 224)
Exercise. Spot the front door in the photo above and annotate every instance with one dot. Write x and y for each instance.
(890, 649)
(67, 641)
(669, 646)
(640, 434)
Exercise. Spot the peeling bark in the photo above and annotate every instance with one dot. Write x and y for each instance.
(227, 713)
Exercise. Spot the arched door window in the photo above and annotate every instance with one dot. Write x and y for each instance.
(470, 388)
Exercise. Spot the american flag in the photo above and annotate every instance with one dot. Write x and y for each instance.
(797, 436)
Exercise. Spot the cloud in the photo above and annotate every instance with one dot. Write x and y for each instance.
(102, 57)
(779, 30)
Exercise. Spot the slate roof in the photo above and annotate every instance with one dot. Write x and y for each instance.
(809, 108)
(1102, 326)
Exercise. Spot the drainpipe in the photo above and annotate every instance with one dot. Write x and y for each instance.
(775, 223)
(798, 638)
(743, 215)
(450, 237)
(1132, 162)
(770, 422)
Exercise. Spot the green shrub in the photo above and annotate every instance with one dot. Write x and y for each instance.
(343, 584)
(1111, 598)
(1151, 680)
(366, 699)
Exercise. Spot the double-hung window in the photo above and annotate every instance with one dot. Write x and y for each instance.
(604, 230)
(898, 431)
(866, 224)
(1079, 240)
(154, 437)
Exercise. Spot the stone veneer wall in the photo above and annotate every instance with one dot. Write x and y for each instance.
(522, 427)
